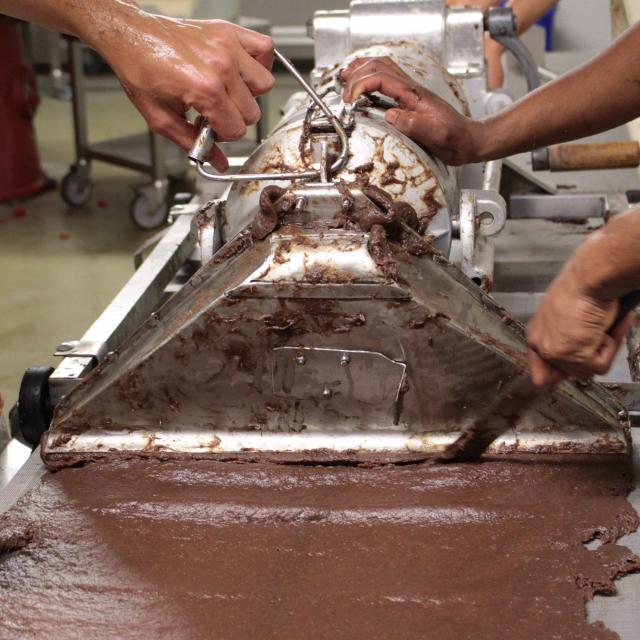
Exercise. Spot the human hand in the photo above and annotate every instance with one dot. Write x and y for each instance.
(421, 115)
(569, 334)
(167, 66)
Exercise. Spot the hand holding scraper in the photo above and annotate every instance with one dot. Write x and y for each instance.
(515, 400)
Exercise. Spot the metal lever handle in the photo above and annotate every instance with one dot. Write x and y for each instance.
(206, 139)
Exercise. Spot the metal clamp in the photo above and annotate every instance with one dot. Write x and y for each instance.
(206, 139)
(483, 214)
(83, 348)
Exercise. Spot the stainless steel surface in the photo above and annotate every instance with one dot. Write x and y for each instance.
(455, 37)
(558, 207)
(20, 471)
(302, 290)
(483, 214)
(417, 178)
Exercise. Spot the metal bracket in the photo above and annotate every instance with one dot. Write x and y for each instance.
(483, 214)
(82, 348)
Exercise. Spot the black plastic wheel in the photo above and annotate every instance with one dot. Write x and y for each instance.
(76, 188)
(34, 404)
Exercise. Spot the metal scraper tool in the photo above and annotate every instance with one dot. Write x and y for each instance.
(503, 413)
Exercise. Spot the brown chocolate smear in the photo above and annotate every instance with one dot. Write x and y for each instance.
(381, 253)
(274, 203)
(138, 550)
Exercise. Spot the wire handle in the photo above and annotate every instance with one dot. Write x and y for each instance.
(206, 139)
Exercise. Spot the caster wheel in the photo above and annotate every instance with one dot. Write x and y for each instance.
(76, 188)
(34, 404)
(145, 215)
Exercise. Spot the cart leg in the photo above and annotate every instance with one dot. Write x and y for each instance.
(149, 208)
(78, 101)
(61, 89)
(76, 187)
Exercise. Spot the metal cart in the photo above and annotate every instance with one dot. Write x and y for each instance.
(147, 153)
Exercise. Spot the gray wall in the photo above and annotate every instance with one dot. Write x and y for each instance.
(288, 12)
(583, 24)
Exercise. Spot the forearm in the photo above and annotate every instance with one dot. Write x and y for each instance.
(597, 96)
(608, 263)
(89, 20)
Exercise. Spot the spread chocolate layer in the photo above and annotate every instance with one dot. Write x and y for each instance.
(196, 550)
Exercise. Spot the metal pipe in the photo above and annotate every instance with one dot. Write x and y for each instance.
(206, 139)
(492, 175)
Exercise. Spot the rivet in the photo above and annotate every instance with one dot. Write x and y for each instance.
(345, 360)
(327, 393)
(301, 360)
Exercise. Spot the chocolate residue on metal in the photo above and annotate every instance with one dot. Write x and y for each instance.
(284, 322)
(381, 253)
(274, 203)
(242, 241)
(195, 550)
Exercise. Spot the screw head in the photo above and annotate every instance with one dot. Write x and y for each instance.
(301, 360)
(345, 360)
(64, 347)
(327, 393)
(623, 415)
(347, 203)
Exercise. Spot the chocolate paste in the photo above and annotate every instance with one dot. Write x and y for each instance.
(274, 203)
(195, 550)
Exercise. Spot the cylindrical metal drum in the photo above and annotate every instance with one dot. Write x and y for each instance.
(379, 153)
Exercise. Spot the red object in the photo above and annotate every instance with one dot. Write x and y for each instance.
(19, 212)
(103, 204)
(64, 236)
(20, 172)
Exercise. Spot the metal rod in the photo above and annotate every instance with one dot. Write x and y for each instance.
(206, 140)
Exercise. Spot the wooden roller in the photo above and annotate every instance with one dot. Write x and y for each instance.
(594, 155)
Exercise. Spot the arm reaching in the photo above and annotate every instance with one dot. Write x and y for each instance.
(599, 95)
(568, 333)
(167, 66)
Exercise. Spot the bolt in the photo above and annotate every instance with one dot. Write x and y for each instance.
(327, 393)
(65, 346)
(347, 203)
(301, 202)
(623, 414)
(301, 360)
(345, 360)
(153, 320)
